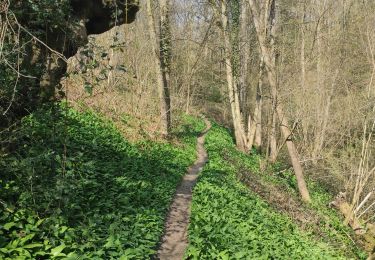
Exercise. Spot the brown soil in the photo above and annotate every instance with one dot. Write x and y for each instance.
(174, 240)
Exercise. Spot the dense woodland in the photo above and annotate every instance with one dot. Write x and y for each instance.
(102, 102)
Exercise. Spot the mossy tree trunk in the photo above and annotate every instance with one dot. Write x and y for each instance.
(161, 60)
(233, 90)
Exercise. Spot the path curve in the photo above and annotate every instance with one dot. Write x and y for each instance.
(175, 240)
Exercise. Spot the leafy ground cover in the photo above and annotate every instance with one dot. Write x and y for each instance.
(72, 186)
(229, 221)
(277, 185)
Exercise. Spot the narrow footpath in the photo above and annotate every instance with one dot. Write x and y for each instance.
(175, 240)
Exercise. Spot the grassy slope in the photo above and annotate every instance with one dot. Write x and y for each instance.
(107, 199)
(230, 222)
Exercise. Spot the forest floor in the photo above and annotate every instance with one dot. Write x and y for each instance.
(175, 239)
(75, 187)
(241, 210)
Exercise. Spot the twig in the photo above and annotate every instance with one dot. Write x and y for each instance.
(367, 209)
(17, 71)
(368, 220)
(311, 159)
(363, 202)
(17, 79)
(8, 24)
(350, 237)
(60, 55)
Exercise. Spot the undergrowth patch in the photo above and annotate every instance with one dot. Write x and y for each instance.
(72, 186)
(277, 185)
(328, 225)
(229, 221)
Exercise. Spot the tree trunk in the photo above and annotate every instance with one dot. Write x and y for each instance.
(162, 73)
(165, 48)
(244, 57)
(273, 138)
(232, 89)
(319, 135)
(255, 126)
(258, 109)
(270, 29)
(303, 74)
(269, 61)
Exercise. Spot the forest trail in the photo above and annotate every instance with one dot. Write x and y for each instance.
(175, 240)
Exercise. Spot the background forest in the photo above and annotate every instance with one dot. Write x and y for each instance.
(100, 112)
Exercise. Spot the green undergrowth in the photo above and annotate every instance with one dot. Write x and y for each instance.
(323, 222)
(331, 227)
(230, 222)
(71, 186)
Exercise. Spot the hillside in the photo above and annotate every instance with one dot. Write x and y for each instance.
(110, 198)
(179, 129)
(75, 187)
(233, 217)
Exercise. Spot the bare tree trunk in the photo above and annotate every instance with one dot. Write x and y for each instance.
(254, 129)
(258, 109)
(254, 125)
(325, 119)
(162, 73)
(269, 61)
(187, 108)
(273, 139)
(251, 128)
(269, 123)
(239, 131)
(303, 73)
(320, 87)
(244, 56)
(270, 29)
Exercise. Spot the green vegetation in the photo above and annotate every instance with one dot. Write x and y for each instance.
(76, 185)
(73, 186)
(331, 223)
(42, 19)
(325, 222)
(230, 222)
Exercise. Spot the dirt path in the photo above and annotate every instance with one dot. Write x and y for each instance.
(175, 241)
